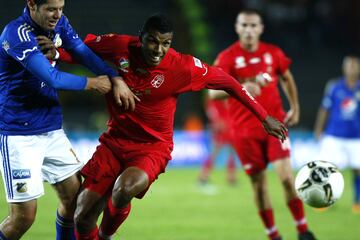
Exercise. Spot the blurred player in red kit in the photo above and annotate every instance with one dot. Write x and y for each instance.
(259, 66)
(220, 128)
(137, 145)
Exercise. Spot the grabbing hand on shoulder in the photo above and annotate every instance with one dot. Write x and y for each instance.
(47, 47)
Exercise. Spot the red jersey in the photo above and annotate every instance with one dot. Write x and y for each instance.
(158, 87)
(242, 64)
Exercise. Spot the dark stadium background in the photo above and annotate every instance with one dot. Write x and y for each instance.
(316, 34)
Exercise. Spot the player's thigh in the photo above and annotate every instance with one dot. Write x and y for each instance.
(283, 169)
(353, 152)
(251, 154)
(67, 189)
(21, 161)
(60, 160)
(24, 211)
(332, 149)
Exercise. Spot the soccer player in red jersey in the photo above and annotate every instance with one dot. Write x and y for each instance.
(259, 67)
(137, 145)
(221, 135)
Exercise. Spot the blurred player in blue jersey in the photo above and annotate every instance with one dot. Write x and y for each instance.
(338, 123)
(33, 145)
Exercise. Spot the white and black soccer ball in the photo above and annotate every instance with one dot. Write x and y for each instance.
(319, 184)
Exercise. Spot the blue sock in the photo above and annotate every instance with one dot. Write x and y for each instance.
(2, 237)
(64, 228)
(357, 189)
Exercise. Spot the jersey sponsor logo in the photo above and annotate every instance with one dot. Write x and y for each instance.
(254, 60)
(5, 45)
(240, 62)
(25, 52)
(348, 108)
(124, 65)
(21, 173)
(157, 81)
(21, 187)
(57, 40)
(197, 62)
(23, 32)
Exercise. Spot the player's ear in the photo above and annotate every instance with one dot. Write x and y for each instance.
(31, 4)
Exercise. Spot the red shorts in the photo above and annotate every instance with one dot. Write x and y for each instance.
(112, 157)
(257, 151)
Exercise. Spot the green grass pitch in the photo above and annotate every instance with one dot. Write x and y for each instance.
(176, 209)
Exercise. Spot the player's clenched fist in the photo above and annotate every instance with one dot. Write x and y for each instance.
(100, 84)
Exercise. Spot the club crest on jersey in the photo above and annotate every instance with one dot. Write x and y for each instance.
(57, 40)
(124, 65)
(240, 62)
(157, 81)
(5, 45)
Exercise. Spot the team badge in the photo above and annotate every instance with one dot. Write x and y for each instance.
(5, 45)
(240, 62)
(124, 65)
(21, 187)
(57, 40)
(157, 81)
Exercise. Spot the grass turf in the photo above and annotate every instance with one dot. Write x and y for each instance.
(176, 208)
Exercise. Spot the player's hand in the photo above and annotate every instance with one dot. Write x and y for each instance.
(123, 96)
(100, 84)
(275, 128)
(47, 47)
(253, 88)
(292, 117)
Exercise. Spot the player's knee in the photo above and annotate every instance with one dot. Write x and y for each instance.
(288, 184)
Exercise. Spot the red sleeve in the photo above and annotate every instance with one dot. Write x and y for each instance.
(283, 62)
(103, 45)
(64, 56)
(218, 79)
(205, 76)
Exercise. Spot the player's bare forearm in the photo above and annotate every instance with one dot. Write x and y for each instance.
(290, 89)
(321, 119)
(217, 94)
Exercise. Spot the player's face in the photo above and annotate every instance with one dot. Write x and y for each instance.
(351, 67)
(249, 27)
(47, 15)
(154, 46)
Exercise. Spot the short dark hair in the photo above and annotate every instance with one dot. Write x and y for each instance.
(40, 2)
(158, 22)
(250, 11)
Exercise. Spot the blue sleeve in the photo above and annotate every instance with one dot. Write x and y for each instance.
(81, 52)
(40, 67)
(88, 58)
(29, 56)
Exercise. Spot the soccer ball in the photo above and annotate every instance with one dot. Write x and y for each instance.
(319, 184)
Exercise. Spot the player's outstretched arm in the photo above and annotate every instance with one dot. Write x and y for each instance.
(217, 79)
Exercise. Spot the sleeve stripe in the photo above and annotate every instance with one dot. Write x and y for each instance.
(23, 32)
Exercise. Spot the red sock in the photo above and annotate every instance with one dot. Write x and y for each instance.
(297, 210)
(231, 165)
(113, 217)
(92, 235)
(267, 217)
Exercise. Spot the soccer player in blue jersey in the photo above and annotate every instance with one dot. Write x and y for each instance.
(338, 123)
(33, 145)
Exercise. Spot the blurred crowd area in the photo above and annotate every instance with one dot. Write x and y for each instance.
(316, 34)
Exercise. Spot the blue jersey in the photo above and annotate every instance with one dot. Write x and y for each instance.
(28, 81)
(343, 106)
